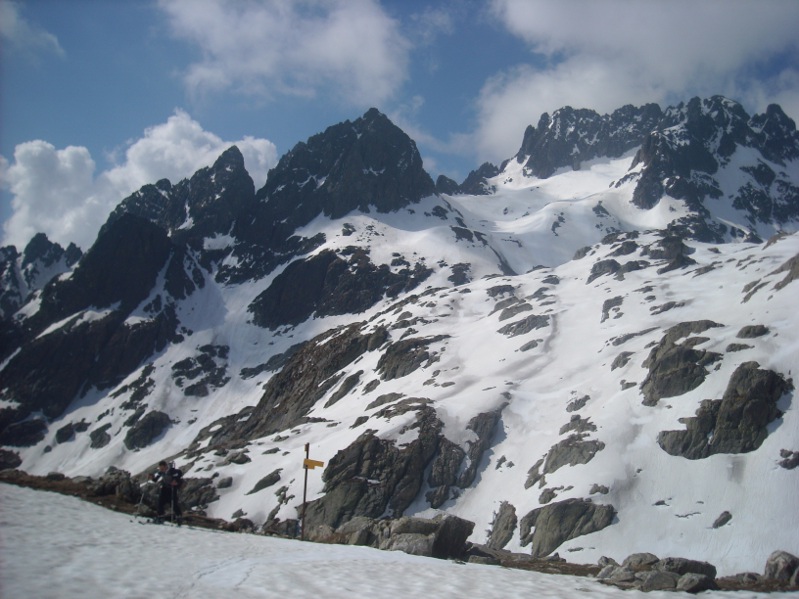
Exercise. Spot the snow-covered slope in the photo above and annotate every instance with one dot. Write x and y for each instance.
(88, 552)
(499, 357)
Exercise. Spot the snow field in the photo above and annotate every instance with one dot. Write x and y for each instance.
(57, 547)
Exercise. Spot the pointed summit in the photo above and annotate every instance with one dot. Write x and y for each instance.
(201, 206)
(350, 166)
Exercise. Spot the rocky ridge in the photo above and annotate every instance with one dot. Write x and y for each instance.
(348, 306)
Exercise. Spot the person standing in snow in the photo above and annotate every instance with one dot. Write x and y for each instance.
(170, 479)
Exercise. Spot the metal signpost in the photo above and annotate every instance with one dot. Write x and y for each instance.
(307, 464)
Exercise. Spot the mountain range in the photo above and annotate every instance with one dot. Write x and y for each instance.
(586, 349)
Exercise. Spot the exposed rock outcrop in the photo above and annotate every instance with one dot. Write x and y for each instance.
(676, 368)
(549, 526)
(503, 526)
(737, 423)
(373, 476)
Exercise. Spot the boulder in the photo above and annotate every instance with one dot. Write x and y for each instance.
(646, 572)
(558, 522)
(640, 561)
(503, 526)
(449, 540)
(723, 519)
(411, 543)
(655, 580)
(267, 481)
(9, 459)
(696, 583)
(443, 537)
(681, 565)
(782, 566)
(147, 430)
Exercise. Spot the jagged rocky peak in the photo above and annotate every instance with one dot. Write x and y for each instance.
(368, 163)
(685, 156)
(21, 274)
(217, 195)
(203, 205)
(40, 249)
(476, 182)
(775, 128)
(572, 136)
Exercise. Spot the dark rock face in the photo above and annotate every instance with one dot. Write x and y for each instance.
(735, 424)
(147, 430)
(573, 136)
(573, 450)
(307, 376)
(403, 357)
(327, 285)
(373, 476)
(476, 182)
(681, 160)
(51, 371)
(724, 518)
(558, 522)
(752, 331)
(210, 200)
(100, 437)
(676, 368)
(9, 459)
(23, 434)
(208, 370)
(99, 281)
(672, 249)
(21, 274)
(350, 166)
(525, 325)
(503, 526)
(447, 469)
(446, 185)
(444, 472)
(790, 459)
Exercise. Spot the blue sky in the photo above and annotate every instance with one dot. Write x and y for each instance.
(99, 97)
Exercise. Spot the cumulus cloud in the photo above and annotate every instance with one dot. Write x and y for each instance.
(603, 55)
(19, 35)
(58, 192)
(349, 49)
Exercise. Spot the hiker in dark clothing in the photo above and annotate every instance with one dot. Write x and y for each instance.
(170, 479)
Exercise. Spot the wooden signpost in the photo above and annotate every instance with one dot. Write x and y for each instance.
(307, 464)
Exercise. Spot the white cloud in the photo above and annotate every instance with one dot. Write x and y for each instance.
(350, 49)
(603, 55)
(17, 34)
(56, 191)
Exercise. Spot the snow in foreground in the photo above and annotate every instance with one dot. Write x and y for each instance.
(53, 546)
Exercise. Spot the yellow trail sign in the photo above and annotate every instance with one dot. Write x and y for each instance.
(311, 464)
